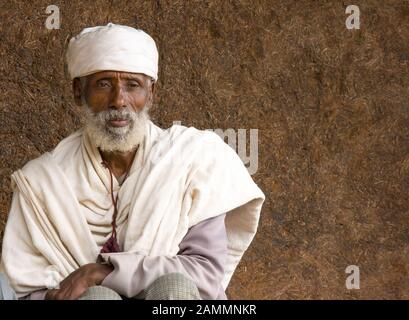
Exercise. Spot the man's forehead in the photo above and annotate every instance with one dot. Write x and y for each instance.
(109, 74)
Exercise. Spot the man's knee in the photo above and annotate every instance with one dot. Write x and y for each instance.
(100, 293)
(172, 286)
(6, 291)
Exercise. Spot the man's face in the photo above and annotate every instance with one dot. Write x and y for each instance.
(117, 90)
(116, 104)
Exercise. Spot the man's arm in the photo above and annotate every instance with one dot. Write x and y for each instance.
(201, 257)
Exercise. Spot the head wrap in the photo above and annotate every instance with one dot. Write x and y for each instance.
(112, 47)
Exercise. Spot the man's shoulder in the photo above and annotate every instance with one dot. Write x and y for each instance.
(193, 134)
(68, 145)
(60, 153)
(202, 147)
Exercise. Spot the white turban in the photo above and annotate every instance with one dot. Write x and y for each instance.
(112, 47)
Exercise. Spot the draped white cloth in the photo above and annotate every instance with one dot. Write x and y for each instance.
(62, 209)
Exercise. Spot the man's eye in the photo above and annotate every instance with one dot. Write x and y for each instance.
(103, 84)
(133, 84)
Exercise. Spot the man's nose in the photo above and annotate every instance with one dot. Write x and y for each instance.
(118, 100)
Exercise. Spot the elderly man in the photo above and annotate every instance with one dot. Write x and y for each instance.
(122, 208)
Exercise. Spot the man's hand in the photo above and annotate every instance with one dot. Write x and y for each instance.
(72, 287)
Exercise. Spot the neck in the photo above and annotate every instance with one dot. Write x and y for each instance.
(119, 162)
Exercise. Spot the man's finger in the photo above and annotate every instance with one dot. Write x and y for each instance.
(78, 292)
(51, 293)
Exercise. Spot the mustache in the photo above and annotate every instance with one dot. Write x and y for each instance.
(124, 114)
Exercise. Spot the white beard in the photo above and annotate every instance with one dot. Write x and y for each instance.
(122, 139)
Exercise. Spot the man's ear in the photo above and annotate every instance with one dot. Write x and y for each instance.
(78, 91)
(152, 92)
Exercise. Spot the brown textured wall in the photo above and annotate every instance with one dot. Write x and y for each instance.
(331, 106)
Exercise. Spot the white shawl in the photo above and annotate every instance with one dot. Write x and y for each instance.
(180, 177)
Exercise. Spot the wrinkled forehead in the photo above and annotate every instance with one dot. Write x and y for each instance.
(115, 75)
(110, 74)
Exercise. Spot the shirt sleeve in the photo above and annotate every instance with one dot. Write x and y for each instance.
(36, 295)
(201, 258)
